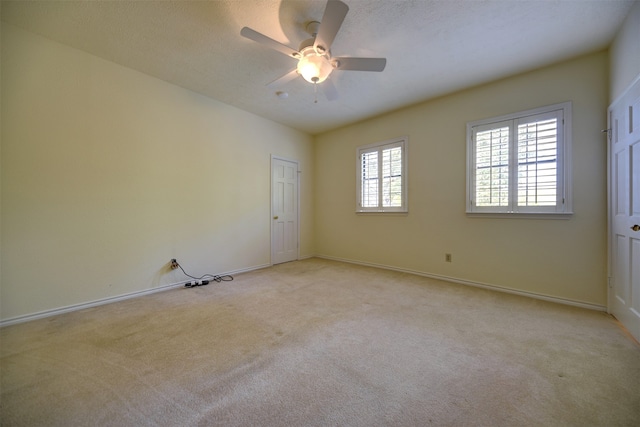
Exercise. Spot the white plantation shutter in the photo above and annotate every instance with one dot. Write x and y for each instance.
(492, 166)
(392, 177)
(382, 175)
(517, 163)
(538, 160)
(370, 179)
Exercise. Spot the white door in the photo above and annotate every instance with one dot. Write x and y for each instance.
(284, 210)
(624, 209)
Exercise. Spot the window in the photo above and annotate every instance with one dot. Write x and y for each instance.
(382, 177)
(520, 163)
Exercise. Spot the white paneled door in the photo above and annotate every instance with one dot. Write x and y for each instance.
(624, 209)
(284, 210)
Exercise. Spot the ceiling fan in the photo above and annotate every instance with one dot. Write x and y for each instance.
(315, 63)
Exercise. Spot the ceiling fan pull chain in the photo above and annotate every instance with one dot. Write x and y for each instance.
(315, 91)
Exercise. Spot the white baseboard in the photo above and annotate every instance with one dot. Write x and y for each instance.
(109, 300)
(82, 306)
(543, 297)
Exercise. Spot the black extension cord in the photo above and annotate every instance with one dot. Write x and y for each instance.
(204, 279)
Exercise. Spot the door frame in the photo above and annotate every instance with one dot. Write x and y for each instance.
(297, 163)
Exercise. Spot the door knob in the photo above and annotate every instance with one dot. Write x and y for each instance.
(275, 217)
(636, 227)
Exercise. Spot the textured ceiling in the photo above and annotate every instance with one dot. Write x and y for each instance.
(432, 47)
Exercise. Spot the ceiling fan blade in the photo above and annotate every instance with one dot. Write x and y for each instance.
(329, 90)
(284, 79)
(268, 42)
(331, 22)
(360, 64)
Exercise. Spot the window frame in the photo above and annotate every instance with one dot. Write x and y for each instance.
(563, 205)
(403, 143)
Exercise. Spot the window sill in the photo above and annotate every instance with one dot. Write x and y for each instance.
(522, 215)
(385, 213)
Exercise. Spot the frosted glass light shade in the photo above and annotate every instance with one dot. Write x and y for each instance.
(314, 68)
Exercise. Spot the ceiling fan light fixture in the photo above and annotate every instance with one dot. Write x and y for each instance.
(313, 67)
(314, 54)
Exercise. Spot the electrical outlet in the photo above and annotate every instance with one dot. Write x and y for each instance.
(447, 257)
(174, 264)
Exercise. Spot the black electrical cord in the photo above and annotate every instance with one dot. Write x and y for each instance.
(205, 279)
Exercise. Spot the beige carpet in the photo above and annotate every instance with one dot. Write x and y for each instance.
(322, 343)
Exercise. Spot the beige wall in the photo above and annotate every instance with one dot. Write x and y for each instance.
(625, 54)
(108, 173)
(559, 258)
